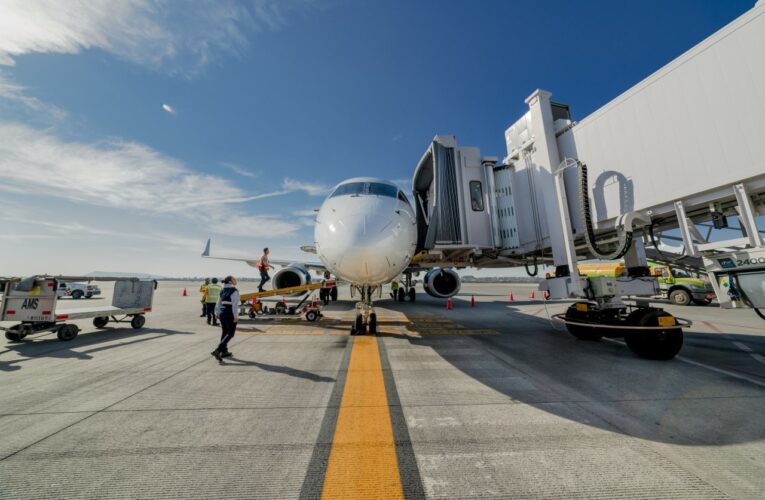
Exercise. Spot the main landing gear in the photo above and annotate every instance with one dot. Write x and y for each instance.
(649, 332)
(366, 318)
(407, 291)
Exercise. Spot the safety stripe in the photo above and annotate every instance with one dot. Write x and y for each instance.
(363, 461)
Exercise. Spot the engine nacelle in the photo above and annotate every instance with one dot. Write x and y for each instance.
(292, 275)
(442, 283)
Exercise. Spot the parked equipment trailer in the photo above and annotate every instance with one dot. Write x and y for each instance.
(33, 302)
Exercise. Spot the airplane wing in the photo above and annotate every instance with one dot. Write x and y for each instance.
(317, 266)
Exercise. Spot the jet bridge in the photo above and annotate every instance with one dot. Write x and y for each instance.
(680, 148)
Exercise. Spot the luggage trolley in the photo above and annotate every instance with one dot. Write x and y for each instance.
(33, 303)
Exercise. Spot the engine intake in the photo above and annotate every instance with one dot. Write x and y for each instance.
(442, 283)
(292, 275)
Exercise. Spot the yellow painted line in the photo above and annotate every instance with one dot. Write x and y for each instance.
(362, 462)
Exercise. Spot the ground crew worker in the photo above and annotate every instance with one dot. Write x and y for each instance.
(263, 268)
(203, 291)
(394, 290)
(227, 310)
(213, 290)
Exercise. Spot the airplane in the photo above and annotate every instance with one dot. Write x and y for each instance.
(365, 234)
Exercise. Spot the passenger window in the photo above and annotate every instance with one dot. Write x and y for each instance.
(476, 196)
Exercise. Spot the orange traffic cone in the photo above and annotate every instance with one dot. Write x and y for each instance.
(510, 297)
(472, 301)
(449, 304)
(533, 295)
(184, 294)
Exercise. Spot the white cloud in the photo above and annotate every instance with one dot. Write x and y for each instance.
(125, 175)
(239, 170)
(169, 36)
(312, 188)
(168, 108)
(14, 92)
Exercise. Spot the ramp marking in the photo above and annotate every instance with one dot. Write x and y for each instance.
(363, 461)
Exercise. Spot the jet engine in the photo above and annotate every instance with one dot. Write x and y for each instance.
(442, 283)
(292, 275)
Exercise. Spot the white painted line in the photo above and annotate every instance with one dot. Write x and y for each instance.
(741, 346)
(708, 367)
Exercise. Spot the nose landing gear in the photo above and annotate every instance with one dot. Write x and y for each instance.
(366, 318)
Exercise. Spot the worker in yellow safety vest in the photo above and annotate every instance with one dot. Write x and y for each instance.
(394, 290)
(203, 291)
(213, 291)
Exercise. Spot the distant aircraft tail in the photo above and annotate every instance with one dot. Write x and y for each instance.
(206, 252)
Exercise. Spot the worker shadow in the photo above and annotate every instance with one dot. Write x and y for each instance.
(285, 370)
(601, 385)
(54, 348)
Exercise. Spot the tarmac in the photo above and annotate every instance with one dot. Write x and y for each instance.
(491, 401)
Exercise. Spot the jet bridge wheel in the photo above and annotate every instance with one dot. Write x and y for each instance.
(574, 313)
(659, 344)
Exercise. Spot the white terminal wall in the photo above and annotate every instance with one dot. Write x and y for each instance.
(687, 132)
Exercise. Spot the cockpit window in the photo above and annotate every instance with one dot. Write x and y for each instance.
(402, 197)
(366, 188)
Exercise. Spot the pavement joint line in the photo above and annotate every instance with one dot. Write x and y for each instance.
(708, 367)
(192, 346)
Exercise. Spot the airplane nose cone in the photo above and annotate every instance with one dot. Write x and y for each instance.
(360, 245)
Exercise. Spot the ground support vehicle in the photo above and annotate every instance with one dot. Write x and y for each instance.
(33, 302)
(78, 290)
(252, 306)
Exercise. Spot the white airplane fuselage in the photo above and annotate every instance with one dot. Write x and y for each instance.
(366, 231)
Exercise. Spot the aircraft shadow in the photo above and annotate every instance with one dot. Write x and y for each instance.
(599, 384)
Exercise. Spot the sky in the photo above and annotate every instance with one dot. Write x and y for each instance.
(133, 130)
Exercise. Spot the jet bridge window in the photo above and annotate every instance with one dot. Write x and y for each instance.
(476, 196)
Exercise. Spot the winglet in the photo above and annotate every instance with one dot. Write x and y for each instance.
(206, 252)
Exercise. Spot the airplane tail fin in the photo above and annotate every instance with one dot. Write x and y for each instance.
(206, 252)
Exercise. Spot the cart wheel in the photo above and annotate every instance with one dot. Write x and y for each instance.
(251, 314)
(312, 315)
(14, 336)
(77, 294)
(100, 321)
(67, 332)
(138, 321)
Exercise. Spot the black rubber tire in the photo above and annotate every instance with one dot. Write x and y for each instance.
(702, 302)
(324, 296)
(581, 332)
(412, 294)
(358, 326)
(333, 294)
(89, 296)
(14, 336)
(661, 344)
(680, 297)
(373, 324)
(138, 321)
(401, 294)
(77, 294)
(100, 321)
(312, 315)
(251, 314)
(66, 333)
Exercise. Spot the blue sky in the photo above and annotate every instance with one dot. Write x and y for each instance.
(269, 104)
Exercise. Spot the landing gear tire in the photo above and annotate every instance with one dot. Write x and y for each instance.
(100, 321)
(663, 344)
(138, 321)
(680, 297)
(333, 294)
(590, 334)
(15, 336)
(401, 294)
(412, 294)
(67, 332)
(373, 324)
(358, 325)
